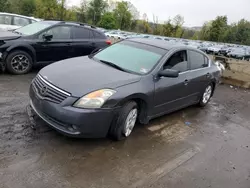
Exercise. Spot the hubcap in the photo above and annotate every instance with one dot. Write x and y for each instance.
(20, 63)
(130, 122)
(207, 94)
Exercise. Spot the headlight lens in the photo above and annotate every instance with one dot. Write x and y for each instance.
(95, 99)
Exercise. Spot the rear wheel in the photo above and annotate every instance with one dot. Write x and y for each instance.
(124, 126)
(19, 62)
(206, 95)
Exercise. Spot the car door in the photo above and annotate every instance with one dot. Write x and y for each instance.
(83, 43)
(199, 75)
(171, 93)
(56, 49)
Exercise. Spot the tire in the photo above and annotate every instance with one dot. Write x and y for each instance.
(23, 63)
(2, 67)
(118, 129)
(205, 98)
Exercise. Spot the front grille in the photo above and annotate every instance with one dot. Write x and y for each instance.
(47, 91)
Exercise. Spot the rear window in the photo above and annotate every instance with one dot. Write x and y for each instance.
(99, 35)
(197, 60)
(134, 57)
(81, 33)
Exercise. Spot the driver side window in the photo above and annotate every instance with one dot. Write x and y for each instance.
(59, 33)
(178, 61)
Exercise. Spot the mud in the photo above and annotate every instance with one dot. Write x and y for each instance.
(193, 147)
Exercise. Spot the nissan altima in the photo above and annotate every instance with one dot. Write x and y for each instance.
(135, 80)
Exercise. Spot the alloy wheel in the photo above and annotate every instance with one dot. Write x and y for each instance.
(207, 94)
(20, 63)
(130, 122)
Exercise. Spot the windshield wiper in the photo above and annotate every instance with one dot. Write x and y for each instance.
(14, 31)
(113, 65)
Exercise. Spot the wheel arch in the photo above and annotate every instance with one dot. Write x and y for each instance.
(213, 83)
(143, 105)
(26, 48)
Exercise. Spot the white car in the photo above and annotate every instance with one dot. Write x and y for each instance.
(214, 49)
(116, 34)
(13, 21)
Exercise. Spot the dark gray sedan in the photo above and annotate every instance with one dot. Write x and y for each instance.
(135, 80)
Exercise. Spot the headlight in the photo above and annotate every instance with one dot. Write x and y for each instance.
(95, 99)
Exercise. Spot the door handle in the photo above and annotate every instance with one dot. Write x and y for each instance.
(186, 82)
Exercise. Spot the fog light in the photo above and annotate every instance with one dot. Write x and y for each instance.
(1, 55)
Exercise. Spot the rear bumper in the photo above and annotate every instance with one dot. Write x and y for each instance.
(71, 121)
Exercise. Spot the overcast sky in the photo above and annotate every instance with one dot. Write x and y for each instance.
(195, 12)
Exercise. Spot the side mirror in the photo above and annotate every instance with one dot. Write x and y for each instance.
(47, 37)
(169, 73)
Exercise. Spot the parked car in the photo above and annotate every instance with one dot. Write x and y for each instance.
(214, 49)
(134, 36)
(239, 53)
(225, 50)
(116, 34)
(13, 21)
(133, 80)
(46, 42)
(194, 45)
(203, 48)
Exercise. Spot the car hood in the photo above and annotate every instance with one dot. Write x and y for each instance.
(83, 75)
(7, 35)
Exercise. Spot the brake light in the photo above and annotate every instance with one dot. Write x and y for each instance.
(108, 42)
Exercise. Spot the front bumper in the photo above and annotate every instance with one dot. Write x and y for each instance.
(71, 121)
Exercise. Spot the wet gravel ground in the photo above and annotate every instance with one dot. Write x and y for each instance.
(194, 147)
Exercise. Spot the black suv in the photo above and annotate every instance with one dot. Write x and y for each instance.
(46, 42)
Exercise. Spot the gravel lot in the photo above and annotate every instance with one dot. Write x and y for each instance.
(193, 147)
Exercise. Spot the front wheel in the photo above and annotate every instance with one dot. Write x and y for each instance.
(19, 62)
(126, 121)
(206, 95)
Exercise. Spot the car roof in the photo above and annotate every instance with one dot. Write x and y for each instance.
(75, 24)
(51, 21)
(158, 43)
(5, 13)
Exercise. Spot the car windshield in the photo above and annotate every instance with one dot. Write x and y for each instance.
(35, 27)
(133, 57)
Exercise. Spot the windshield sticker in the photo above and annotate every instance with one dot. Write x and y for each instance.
(143, 70)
